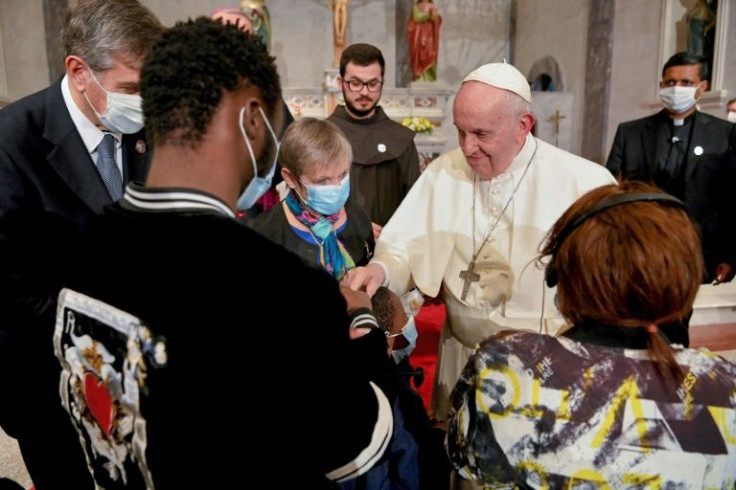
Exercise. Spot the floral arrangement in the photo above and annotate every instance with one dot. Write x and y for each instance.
(418, 124)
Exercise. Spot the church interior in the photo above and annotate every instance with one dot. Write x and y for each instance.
(592, 64)
(605, 56)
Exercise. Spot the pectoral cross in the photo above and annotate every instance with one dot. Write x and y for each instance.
(468, 276)
(556, 121)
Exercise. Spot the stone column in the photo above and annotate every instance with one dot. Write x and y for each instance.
(403, 68)
(598, 78)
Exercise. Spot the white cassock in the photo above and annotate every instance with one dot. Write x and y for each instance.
(429, 241)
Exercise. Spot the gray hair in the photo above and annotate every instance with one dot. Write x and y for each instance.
(95, 30)
(308, 141)
(515, 105)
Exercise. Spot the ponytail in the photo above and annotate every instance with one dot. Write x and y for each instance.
(663, 356)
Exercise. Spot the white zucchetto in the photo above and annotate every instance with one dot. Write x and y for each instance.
(504, 76)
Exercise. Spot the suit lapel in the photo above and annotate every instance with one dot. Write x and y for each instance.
(699, 133)
(69, 157)
(649, 138)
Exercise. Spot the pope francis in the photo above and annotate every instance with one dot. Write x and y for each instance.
(472, 224)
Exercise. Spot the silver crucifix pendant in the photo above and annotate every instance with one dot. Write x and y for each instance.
(468, 276)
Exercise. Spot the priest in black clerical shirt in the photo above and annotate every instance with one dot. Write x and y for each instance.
(689, 154)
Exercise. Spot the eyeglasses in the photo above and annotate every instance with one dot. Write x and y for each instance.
(356, 85)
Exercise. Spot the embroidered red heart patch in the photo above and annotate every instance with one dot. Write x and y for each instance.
(98, 401)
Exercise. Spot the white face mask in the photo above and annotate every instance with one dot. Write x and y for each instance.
(731, 116)
(257, 185)
(678, 99)
(123, 112)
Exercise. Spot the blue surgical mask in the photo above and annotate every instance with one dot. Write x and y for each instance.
(409, 331)
(123, 112)
(327, 199)
(258, 185)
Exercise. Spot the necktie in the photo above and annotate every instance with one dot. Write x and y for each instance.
(107, 167)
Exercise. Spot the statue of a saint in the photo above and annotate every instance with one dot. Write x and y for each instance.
(339, 25)
(260, 19)
(701, 30)
(701, 23)
(424, 40)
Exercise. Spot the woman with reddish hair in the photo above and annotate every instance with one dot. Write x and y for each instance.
(612, 401)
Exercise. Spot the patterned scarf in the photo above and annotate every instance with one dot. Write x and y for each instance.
(332, 253)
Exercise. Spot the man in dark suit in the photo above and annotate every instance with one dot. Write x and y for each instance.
(65, 153)
(690, 155)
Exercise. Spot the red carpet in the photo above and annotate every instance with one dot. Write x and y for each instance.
(429, 325)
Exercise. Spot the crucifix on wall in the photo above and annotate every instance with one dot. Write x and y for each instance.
(555, 119)
(339, 25)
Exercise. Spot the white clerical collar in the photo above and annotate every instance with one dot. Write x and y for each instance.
(91, 134)
(526, 154)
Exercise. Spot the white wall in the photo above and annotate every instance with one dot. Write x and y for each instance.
(301, 32)
(23, 48)
(729, 65)
(473, 32)
(635, 70)
(557, 28)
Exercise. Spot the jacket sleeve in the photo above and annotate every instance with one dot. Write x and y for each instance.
(359, 406)
(727, 203)
(615, 162)
(14, 186)
(349, 414)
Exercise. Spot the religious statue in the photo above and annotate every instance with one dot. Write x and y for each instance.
(701, 30)
(339, 25)
(260, 19)
(424, 40)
